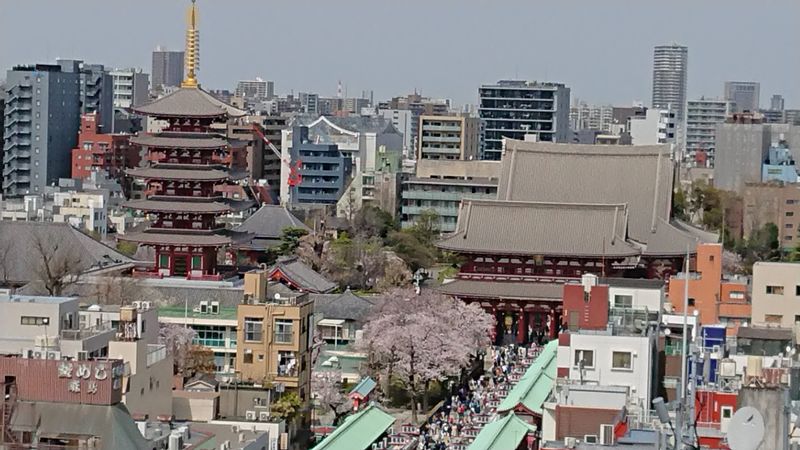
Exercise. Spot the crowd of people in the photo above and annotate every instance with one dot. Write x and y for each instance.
(447, 428)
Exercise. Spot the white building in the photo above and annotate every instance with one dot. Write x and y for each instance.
(130, 86)
(402, 119)
(702, 118)
(656, 127)
(604, 359)
(84, 210)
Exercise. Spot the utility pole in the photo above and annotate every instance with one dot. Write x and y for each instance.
(679, 431)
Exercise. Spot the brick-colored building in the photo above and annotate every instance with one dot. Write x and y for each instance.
(773, 203)
(715, 299)
(98, 150)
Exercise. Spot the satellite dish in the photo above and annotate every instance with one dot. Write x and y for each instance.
(746, 429)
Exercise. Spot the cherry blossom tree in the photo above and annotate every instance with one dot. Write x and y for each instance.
(178, 340)
(326, 388)
(417, 339)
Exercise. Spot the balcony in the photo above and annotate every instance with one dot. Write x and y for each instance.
(440, 150)
(86, 333)
(441, 210)
(450, 128)
(454, 140)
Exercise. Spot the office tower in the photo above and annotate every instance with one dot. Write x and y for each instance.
(257, 89)
(743, 94)
(670, 65)
(167, 68)
(776, 103)
(96, 90)
(513, 109)
(42, 116)
(131, 87)
(309, 103)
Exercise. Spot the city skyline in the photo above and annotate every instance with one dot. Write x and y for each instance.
(315, 56)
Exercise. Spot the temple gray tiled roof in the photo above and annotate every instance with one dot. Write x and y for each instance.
(493, 227)
(270, 221)
(188, 102)
(503, 290)
(173, 139)
(639, 176)
(304, 277)
(163, 173)
(345, 306)
(18, 244)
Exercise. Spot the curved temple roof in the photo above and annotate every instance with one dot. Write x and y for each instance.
(188, 102)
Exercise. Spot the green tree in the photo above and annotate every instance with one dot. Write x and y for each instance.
(426, 228)
(127, 248)
(290, 240)
(761, 245)
(373, 221)
(287, 406)
(407, 246)
(680, 206)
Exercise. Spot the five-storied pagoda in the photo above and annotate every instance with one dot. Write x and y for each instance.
(187, 162)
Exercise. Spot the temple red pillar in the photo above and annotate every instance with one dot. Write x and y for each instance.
(522, 327)
(553, 324)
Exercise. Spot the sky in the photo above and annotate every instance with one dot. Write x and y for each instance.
(602, 50)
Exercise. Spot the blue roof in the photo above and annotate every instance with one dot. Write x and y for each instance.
(364, 387)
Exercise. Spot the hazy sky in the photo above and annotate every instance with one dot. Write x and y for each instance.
(443, 48)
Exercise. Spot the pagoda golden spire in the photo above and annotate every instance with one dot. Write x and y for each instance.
(191, 57)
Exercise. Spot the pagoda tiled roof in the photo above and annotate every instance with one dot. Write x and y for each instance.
(202, 207)
(188, 102)
(170, 139)
(162, 172)
(206, 238)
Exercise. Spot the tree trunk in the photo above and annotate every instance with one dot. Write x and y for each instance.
(425, 396)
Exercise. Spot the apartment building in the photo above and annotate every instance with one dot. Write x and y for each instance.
(776, 203)
(273, 337)
(702, 118)
(131, 87)
(98, 150)
(776, 294)
(449, 137)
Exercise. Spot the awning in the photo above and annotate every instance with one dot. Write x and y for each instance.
(331, 322)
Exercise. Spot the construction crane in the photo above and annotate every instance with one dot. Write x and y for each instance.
(295, 178)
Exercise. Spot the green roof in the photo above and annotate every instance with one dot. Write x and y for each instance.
(359, 431)
(225, 313)
(502, 434)
(534, 387)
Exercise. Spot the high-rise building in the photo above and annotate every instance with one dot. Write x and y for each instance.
(96, 90)
(744, 95)
(309, 103)
(167, 68)
(670, 68)
(42, 116)
(591, 117)
(514, 109)
(131, 87)
(449, 137)
(257, 89)
(776, 103)
(702, 118)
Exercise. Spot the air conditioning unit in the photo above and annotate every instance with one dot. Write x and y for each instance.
(137, 304)
(214, 307)
(204, 307)
(263, 416)
(570, 442)
(250, 415)
(54, 355)
(39, 355)
(146, 305)
(607, 434)
(590, 438)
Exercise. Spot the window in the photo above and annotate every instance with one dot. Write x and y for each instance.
(34, 320)
(252, 329)
(209, 335)
(797, 290)
(622, 360)
(585, 356)
(773, 318)
(727, 412)
(789, 213)
(623, 301)
(163, 261)
(777, 290)
(737, 295)
(283, 331)
(248, 358)
(796, 319)
(196, 262)
(691, 301)
(789, 225)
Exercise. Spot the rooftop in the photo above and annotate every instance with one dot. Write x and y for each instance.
(180, 312)
(504, 290)
(270, 221)
(188, 102)
(359, 431)
(173, 139)
(41, 299)
(302, 276)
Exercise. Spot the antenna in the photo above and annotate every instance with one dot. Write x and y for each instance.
(746, 429)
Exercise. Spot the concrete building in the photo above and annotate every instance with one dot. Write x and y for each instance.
(776, 103)
(42, 116)
(514, 109)
(273, 337)
(591, 117)
(402, 120)
(257, 89)
(742, 146)
(167, 68)
(325, 171)
(702, 118)
(776, 203)
(441, 185)
(780, 165)
(655, 127)
(670, 73)
(83, 210)
(776, 294)
(96, 90)
(99, 151)
(417, 106)
(449, 137)
(131, 87)
(743, 94)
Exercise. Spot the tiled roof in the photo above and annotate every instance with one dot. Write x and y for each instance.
(18, 240)
(188, 102)
(173, 139)
(503, 290)
(359, 431)
(178, 206)
(639, 176)
(534, 387)
(185, 237)
(270, 221)
(494, 227)
(364, 387)
(504, 433)
(303, 276)
(162, 173)
(346, 306)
